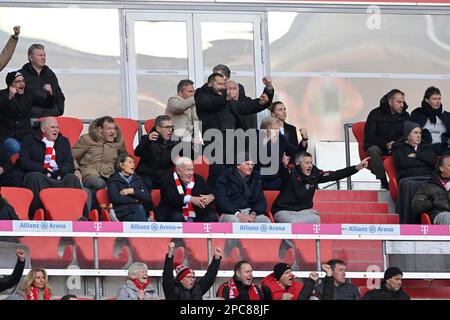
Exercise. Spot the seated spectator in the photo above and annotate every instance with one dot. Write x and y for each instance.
(391, 287)
(280, 284)
(414, 163)
(181, 109)
(184, 286)
(278, 110)
(155, 150)
(435, 122)
(239, 194)
(137, 286)
(295, 200)
(127, 192)
(15, 111)
(384, 126)
(35, 286)
(10, 173)
(185, 196)
(96, 153)
(7, 212)
(241, 285)
(433, 196)
(9, 48)
(69, 297)
(12, 280)
(47, 161)
(341, 289)
(48, 98)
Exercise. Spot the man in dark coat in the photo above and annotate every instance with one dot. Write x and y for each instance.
(384, 126)
(12, 280)
(185, 196)
(47, 161)
(295, 200)
(15, 112)
(241, 285)
(184, 286)
(48, 98)
(391, 287)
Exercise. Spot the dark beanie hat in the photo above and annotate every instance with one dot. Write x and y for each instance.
(409, 126)
(392, 272)
(279, 269)
(11, 76)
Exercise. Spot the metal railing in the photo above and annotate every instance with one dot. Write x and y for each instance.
(347, 126)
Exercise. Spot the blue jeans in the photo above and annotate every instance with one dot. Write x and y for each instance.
(12, 146)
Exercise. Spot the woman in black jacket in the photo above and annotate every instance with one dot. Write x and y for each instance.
(435, 122)
(127, 192)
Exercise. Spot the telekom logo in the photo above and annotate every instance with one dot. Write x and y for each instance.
(316, 228)
(424, 229)
(98, 226)
(207, 227)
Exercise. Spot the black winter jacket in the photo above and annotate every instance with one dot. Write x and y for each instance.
(124, 205)
(44, 105)
(231, 196)
(10, 281)
(15, 115)
(423, 164)
(32, 155)
(382, 126)
(385, 294)
(432, 198)
(174, 290)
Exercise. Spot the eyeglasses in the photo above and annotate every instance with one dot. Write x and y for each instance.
(168, 127)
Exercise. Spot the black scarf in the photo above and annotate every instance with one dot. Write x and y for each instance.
(430, 112)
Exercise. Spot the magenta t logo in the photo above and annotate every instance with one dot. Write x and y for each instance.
(424, 229)
(97, 226)
(207, 227)
(316, 228)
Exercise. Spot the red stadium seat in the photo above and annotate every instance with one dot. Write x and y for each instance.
(71, 128)
(201, 166)
(264, 254)
(425, 218)
(50, 252)
(129, 128)
(270, 196)
(148, 125)
(358, 132)
(388, 163)
(20, 199)
(152, 252)
(113, 253)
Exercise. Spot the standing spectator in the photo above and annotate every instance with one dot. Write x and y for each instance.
(185, 196)
(181, 109)
(280, 284)
(241, 285)
(184, 286)
(127, 192)
(414, 162)
(391, 287)
(12, 280)
(48, 98)
(295, 201)
(9, 48)
(341, 289)
(278, 110)
(15, 111)
(96, 152)
(433, 197)
(137, 286)
(435, 122)
(384, 126)
(239, 194)
(35, 286)
(47, 161)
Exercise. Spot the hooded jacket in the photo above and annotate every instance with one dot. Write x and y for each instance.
(384, 294)
(94, 156)
(383, 126)
(273, 290)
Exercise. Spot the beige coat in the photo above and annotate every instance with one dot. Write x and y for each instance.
(7, 52)
(93, 156)
(183, 114)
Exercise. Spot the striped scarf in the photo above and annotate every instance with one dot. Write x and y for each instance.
(50, 155)
(188, 210)
(233, 293)
(33, 294)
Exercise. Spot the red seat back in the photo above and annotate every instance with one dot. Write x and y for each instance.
(201, 166)
(388, 163)
(270, 196)
(65, 204)
(425, 218)
(71, 128)
(129, 128)
(358, 132)
(156, 197)
(14, 158)
(20, 199)
(149, 124)
(102, 197)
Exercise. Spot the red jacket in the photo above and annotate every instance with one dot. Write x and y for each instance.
(277, 291)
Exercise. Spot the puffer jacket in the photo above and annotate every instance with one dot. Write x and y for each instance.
(95, 157)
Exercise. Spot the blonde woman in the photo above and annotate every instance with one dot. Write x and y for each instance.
(35, 286)
(137, 286)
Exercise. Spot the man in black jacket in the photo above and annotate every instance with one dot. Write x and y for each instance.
(48, 98)
(185, 196)
(384, 126)
(241, 285)
(47, 161)
(184, 286)
(295, 201)
(12, 280)
(391, 287)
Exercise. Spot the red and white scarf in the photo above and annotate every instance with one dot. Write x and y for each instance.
(188, 210)
(140, 286)
(50, 155)
(253, 293)
(33, 294)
